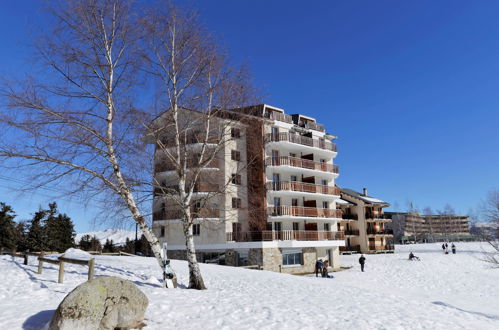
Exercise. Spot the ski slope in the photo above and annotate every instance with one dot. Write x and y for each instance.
(440, 292)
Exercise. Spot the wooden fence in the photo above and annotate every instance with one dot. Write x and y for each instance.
(62, 260)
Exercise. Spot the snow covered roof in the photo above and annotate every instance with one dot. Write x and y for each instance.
(367, 199)
(343, 202)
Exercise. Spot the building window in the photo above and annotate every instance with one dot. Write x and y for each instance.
(236, 203)
(196, 229)
(291, 258)
(296, 226)
(236, 179)
(324, 182)
(294, 202)
(291, 154)
(326, 227)
(235, 133)
(235, 155)
(162, 233)
(325, 205)
(277, 226)
(293, 178)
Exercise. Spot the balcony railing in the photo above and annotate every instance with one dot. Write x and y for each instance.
(311, 125)
(191, 163)
(298, 211)
(285, 235)
(352, 232)
(177, 214)
(380, 231)
(203, 187)
(302, 187)
(279, 116)
(349, 216)
(302, 163)
(299, 139)
(387, 247)
(191, 139)
(350, 248)
(381, 216)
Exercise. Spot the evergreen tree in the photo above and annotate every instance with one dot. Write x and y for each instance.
(129, 246)
(21, 236)
(95, 244)
(59, 229)
(8, 237)
(85, 242)
(36, 239)
(143, 246)
(109, 246)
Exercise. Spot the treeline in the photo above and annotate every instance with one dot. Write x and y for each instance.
(89, 243)
(49, 230)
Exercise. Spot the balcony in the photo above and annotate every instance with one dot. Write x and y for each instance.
(311, 125)
(302, 187)
(191, 163)
(301, 163)
(380, 232)
(349, 216)
(352, 232)
(378, 217)
(298, 211)
(387, 247)
(299, 139)
(190, 139)
(285, 235)
(200, 187)
(279, 116)
(350, 248)
(178, 214)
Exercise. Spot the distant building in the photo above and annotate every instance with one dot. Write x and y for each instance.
(485, 230)
(414, 227)
(363, 223)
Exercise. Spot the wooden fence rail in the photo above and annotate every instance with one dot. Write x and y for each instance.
(61, 260)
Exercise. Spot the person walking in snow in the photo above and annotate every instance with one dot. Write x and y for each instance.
(318, 267)
(446, 245)
(443, 247)
(324, 269)
(453, 247)
(362, 261)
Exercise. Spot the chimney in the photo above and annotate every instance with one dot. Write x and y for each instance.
(365, 191)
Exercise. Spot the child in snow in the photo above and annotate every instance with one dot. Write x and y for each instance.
(318, 267)
(453, 247)
(413, 257)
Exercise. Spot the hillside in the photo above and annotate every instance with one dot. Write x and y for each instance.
(439, 292)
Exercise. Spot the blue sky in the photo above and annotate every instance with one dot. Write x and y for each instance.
(411, 88)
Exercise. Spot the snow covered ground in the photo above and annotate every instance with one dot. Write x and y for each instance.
(118, 236)
(439, 292)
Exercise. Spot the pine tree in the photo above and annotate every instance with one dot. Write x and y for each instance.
(95, 244)
(36, 238)
(21, 236)
(109, 246)
(59, 229)
(8, 237)
(85, 242)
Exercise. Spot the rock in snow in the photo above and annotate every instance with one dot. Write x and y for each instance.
(103, 303)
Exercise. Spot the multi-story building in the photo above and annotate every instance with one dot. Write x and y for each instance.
(363, 223)
(278, 210)
(412, 226)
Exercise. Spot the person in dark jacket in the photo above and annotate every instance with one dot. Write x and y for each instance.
(318, 267)
(443, 247)
(324, 269)
(453, 247)
(362, 261)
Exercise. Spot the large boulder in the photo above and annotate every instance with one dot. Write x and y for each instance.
(102, 303)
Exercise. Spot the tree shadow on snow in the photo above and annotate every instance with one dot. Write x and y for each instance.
(489, 316)
(38, 320)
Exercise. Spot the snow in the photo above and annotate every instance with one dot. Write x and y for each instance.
(118, 236)
(372, 200)
(343, 202)
(439, 292)
(77, 254)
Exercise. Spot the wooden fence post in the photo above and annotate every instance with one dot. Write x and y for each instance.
(25, 258)
(91, 264)
(61, 271)
(40, 264)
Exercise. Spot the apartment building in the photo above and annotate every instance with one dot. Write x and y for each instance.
(412, 226)
(364, 223)
(278, 206)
